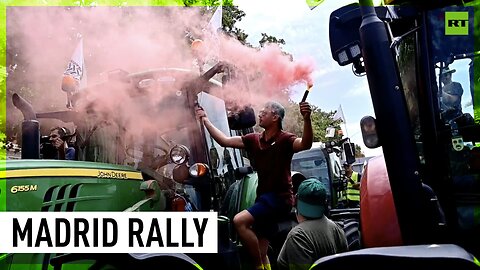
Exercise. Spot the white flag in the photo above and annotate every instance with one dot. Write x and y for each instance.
(75, 75)
(211, 53)
(330, 132)
(339, 114)
(215, 22)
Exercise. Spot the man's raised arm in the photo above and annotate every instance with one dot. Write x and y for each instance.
(218, 135)
(305, 142)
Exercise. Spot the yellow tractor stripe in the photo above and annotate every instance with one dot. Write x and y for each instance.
(66, 172)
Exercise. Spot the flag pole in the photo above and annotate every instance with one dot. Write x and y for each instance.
(346, 130)
(74, 77)
(339, 115)
(344, 121)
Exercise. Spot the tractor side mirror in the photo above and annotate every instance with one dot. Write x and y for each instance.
(368, 127)
(349, 149)
(242, 119)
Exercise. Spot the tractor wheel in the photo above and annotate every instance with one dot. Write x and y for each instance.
(351, 227)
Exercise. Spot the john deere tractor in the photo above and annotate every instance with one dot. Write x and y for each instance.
(177, 167)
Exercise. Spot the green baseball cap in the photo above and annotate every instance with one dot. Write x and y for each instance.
(312, 198)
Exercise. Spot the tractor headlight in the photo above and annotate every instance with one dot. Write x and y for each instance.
(350, 53)
(179, 154)
(198, 170)
(355, 51)
(343, 57)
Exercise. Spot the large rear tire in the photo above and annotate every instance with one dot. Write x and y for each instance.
(351, 227)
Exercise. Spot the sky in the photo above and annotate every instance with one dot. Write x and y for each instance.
(306, 34)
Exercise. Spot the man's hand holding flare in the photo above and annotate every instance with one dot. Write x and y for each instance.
(309, 86)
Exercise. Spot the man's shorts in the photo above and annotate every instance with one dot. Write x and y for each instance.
(267, 211)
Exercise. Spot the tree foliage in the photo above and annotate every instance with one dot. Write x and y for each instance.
(205, 3)
(230, 16)
(320, 121)
(358, 151)
(270, 39)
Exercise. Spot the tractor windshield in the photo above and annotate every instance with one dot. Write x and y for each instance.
(151, 126)
(453, 92)
(312, 163)
(455, 84)
(110, 144)
(457, 90)
(453, 55)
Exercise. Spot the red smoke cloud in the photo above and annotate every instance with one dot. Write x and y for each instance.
(135, 39)
(280, 70)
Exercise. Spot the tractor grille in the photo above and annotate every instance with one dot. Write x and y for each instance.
(60, 198)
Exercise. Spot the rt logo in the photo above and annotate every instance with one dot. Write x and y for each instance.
(456, 23)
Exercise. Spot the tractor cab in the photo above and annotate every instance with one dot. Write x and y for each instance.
(120, 122)
(324, 161)
(420, 59)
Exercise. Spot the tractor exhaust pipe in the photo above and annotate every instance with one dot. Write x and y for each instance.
(25, 107)
(30, 128)
(389, 104)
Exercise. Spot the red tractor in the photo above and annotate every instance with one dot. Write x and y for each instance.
(420, 201)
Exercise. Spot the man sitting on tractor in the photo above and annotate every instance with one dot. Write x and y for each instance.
(271, 155)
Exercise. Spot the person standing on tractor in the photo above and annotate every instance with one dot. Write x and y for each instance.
(58, 138)
(315, 236)
(271, 153)
(353, 186)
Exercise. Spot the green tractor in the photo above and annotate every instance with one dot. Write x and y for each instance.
(177, 167)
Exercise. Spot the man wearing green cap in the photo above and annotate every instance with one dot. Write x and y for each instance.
(270, 154)
(316, 235)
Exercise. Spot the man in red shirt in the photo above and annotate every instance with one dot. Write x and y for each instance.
(271, 154)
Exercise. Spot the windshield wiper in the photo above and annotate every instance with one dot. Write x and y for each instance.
(399, 39)
(452, 57)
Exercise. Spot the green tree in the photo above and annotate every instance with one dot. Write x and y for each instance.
(209, 3)
(358, 151)
(320, 121)
(230, 16)
(270, 39)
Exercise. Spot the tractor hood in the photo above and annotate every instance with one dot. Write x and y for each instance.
(54, 168)
(55, 185)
